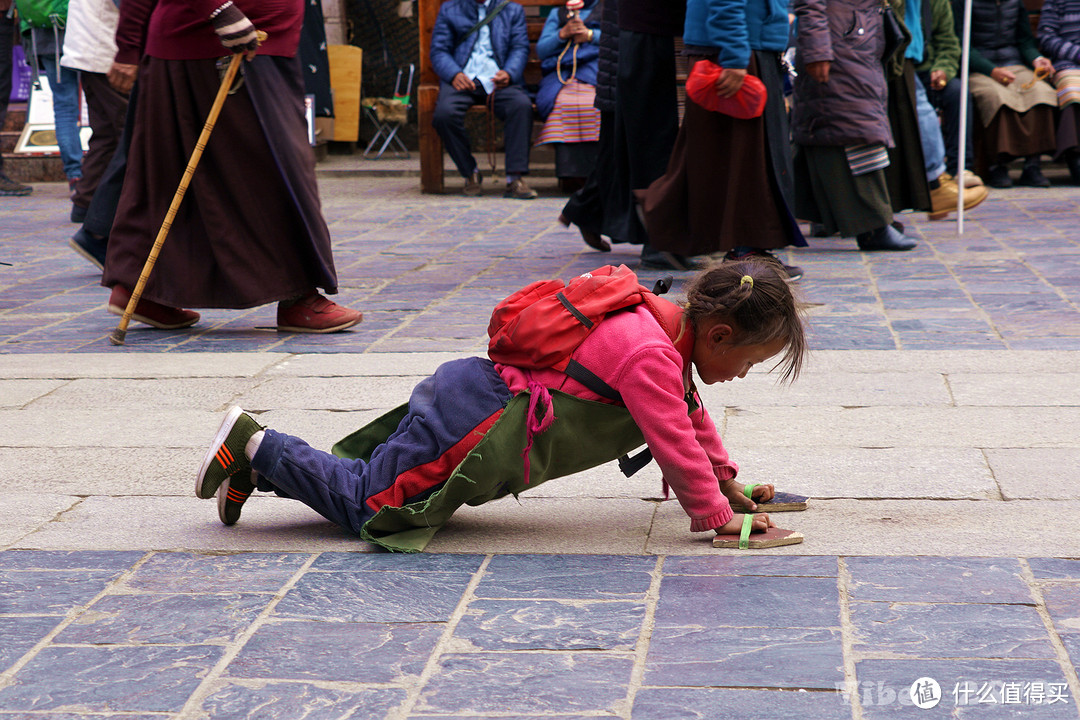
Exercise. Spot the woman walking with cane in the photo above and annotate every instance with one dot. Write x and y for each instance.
(250, 229)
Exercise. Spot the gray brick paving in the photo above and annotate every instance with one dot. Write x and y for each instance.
(935, 428)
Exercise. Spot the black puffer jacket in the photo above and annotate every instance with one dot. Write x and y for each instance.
(993, 30)
(609, 56)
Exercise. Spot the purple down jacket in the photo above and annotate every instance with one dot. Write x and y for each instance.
(851, 108)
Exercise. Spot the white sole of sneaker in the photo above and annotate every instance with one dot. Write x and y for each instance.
(223, 432)
(336, 328)
(119, 311)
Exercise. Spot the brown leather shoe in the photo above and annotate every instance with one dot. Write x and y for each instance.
(473, 183)
(519, 190)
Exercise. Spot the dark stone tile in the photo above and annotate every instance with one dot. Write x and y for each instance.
(1063, 604)
(335, 651)
(19, 634)
(944, 630)
(375, 596)
(551, 625)
(119, 679)
(50, 592)
(704, 601)
(757, 657)
(937, 579)
(731, 704)
(1055, 568)
(176, 619)
(197, 573)
(966, 687)
(412, 562)
(68, 560)
(773, 565)
(582, 577)
(527, 683)
(289, 701)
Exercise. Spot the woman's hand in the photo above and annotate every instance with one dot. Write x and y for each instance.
(121, 76)
(1002, 75)
(761, 523)
(819, 70)
(572, 29)
(729, 82)
(1044, 64)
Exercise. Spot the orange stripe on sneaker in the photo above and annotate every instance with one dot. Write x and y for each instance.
(224, 456)
(237, 495)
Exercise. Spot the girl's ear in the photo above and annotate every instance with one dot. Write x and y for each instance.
(720, 333)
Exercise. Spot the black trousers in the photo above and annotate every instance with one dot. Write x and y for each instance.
(7, 31)
(512, 105)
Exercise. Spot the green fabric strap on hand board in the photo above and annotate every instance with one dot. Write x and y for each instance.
(744, 534)
(748, 491)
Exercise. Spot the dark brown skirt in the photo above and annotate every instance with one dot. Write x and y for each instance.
(719, 191)
(906, 174)
(250, 228)
(1012, 135)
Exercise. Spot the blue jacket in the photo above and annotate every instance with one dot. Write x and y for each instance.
(735, 27)
(549, 46)
(450, 49)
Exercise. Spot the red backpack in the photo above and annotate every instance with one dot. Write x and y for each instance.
(542, 324)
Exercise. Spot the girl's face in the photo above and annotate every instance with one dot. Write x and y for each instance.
(718, 360)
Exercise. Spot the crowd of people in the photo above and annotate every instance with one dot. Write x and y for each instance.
(860, 121)
(861, 118)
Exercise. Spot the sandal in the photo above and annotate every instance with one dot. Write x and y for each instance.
(781, 501)
(773, 537)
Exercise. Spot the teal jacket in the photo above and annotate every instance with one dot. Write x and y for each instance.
(735, 27)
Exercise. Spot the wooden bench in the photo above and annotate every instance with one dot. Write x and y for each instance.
(431, 149)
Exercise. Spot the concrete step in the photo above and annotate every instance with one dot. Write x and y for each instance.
(31, 169)
(15, 118)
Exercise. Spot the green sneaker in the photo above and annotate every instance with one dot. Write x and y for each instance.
(226, 455)
(232, 495)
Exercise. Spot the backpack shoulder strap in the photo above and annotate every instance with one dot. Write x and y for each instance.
(490, 16)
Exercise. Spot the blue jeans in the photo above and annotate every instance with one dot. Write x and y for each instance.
(933, 145)
(66, 115)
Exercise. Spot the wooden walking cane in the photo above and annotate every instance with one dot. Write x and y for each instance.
(117, 336)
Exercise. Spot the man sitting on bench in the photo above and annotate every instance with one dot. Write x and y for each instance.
(479, 50)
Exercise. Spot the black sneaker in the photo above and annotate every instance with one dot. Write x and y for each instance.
(793, 271)
(232, 495)
(1032, 177)
(226, 457)
(10, 188)
(999, 177)
(89, 246)
(652, 259)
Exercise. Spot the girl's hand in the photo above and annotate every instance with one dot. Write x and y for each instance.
(729, 82)
(734, 492)
(819, 70)
(1002, 75)
(761, 523)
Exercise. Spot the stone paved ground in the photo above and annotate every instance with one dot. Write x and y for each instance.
(936, 429)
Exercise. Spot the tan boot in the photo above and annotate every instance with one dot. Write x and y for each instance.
(943, 198)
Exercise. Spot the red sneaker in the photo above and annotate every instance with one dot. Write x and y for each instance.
(315, 314)
(162, 317)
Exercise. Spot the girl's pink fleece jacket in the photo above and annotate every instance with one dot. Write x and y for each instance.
(632, 353)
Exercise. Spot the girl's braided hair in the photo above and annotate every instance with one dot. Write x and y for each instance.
(761, 309)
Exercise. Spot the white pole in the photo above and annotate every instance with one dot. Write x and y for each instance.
(963, 134)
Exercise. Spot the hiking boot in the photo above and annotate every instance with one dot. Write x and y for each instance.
(886, 238)
(473, 184)
(10, 188)
(999, 177)
(793, 272)
(591, 239)
(232, 495)
(149, 312)
(944, 197)
(315, 314)
(90, 247)
(226, 457)
(518, 190)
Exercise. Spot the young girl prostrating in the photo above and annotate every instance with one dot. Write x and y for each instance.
(464, 433)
